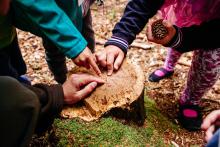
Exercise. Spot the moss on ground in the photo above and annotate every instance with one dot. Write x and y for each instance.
(110, 132)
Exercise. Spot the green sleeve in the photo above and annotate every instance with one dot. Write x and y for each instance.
(54, 24)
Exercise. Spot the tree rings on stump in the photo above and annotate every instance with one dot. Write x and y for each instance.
(121, 95)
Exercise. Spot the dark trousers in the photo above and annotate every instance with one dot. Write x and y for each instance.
(11, 60)
(88, 32)
(19, 109)
(56, 60)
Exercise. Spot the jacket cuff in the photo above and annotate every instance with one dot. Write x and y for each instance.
(51, 106)
(57, 94)
(51, 98)
(77, 49)
(119, 42)
(177, 39)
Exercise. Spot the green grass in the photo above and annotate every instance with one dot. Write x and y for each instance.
(110, 132)
(155, 117)
(104, 133)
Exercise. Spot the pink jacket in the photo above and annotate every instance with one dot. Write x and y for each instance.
(184, 13)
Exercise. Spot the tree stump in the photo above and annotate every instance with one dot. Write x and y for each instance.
(122, 95)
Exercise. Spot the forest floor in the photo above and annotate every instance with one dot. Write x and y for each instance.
(161, 127)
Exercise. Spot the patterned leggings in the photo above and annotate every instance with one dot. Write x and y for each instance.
(203, 73)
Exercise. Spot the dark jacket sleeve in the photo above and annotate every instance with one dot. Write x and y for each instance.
(51, 100)
(204, 36)
(135, 17)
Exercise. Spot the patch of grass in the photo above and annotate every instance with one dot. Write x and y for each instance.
(106, 132)
(110, 132)
(155, 117)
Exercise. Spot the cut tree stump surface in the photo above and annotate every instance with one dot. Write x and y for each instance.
(120, 90)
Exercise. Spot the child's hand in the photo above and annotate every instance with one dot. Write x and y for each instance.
(171, 31)
(87, 59)
(111, 57)
(209, 124)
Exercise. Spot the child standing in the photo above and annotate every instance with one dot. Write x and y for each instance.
(182, 14)
(205, 66)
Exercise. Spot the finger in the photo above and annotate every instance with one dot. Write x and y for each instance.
(159, 15)
(75, 61)
(150, 21)
(209, 133)
(98, 55)
(169, 26)
(86, 90)
(101, 58)
(94, 58)
(84, 64)
(149, 33)
(110, 61)
(87, 66)
(148, 29)
(79, 63)
(167, 23)
(94, 65)
(210, 119)
(84, 79)
(118, 61)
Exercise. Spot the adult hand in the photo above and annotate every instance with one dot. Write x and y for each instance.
(209, 124)
(78, 86)
(110, 57)
(87, 59)
(171, 32)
